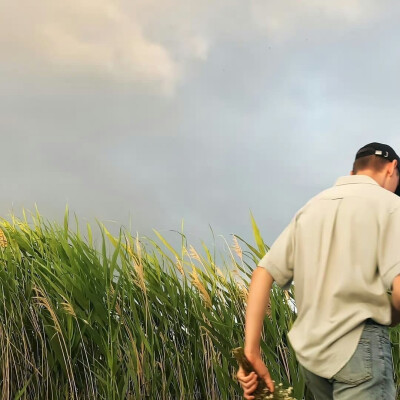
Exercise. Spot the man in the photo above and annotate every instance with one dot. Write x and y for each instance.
(342, 251)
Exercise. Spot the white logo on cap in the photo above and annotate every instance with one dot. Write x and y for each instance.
(380, 153)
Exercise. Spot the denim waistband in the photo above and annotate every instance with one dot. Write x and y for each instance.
(370, 321)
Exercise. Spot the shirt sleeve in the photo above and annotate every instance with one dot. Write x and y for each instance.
(389, 249)
(279, 259)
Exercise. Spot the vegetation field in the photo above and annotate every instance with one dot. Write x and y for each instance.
(131, 318)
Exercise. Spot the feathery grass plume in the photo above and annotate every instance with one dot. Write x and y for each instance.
(179, 266)
(42, 300)
(261, 392)
(138, 265)
(236, 247)
(194, 254)
(196, 282)
(3, 239)
(68, 307)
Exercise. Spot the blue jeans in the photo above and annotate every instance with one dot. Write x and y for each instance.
(368, 375)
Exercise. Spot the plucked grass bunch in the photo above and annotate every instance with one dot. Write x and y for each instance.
(129, 317)
(262, 392)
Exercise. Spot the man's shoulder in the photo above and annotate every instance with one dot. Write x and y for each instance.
(377, 196)
(324, 194)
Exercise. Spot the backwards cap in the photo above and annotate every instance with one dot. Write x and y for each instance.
(380, 150)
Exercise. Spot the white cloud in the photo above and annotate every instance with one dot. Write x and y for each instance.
(198, 47)
(103, 38)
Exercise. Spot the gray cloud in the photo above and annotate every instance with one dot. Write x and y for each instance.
(264, 109)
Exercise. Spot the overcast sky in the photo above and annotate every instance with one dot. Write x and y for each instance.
(144, 113)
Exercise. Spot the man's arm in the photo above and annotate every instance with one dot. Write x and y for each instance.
(257, 302)
(395, 316)
(395, 301)
(276, 265)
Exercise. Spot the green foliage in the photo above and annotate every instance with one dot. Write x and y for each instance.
(135, 319)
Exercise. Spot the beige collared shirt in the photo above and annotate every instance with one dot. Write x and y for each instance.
(342, 250)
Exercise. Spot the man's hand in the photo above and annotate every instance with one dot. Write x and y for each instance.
(249, 382)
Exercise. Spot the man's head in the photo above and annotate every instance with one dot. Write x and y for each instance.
(380, 162)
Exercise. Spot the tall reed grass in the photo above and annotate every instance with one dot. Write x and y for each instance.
(133, 318)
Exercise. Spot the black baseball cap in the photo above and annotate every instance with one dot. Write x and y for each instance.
(380, 150)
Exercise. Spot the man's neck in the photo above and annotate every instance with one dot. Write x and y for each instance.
(376, 176)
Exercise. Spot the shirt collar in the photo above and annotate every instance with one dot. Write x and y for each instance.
(352, 179)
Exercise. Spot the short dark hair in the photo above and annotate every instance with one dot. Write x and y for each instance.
(376, 163)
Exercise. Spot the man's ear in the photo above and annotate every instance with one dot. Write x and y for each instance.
(351, 173)
(393, 167)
